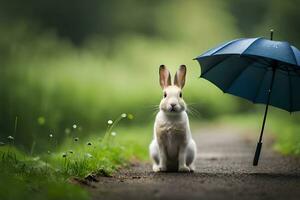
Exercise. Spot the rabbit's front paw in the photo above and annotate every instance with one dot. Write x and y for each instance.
(184, 168)
(155, 168)
(158, 168)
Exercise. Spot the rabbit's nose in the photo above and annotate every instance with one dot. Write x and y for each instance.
(173, 105)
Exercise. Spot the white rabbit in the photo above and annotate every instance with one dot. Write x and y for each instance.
(172, 148)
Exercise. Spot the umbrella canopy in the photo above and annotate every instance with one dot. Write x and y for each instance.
(260, 70)
(244, 67)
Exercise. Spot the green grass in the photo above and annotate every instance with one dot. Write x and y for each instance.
(47, 176)
(103, 156)
(283, 126)
(24, 177)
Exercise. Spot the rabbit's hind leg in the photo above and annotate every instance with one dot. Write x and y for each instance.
(154, 155)
(191, 154)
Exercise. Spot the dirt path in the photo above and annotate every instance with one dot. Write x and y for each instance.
(224, 171)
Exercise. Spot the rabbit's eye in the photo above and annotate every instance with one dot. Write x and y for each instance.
(165, 94)
(180, 94)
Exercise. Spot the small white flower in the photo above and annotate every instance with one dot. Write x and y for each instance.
(113, 133)
(51, 135)
(10, 137)
(110, 122)
(74, 126)
(88, 155)
(124, 115)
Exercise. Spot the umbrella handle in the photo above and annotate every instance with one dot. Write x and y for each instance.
(259, 144)
(257, 153)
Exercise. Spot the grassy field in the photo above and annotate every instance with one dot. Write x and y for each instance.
(46, 176)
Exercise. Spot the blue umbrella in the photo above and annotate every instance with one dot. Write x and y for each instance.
(257, 69)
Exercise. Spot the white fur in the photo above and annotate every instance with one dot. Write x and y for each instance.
(172, 147)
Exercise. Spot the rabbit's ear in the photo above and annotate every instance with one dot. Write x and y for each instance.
(179, 79)
(164, 77)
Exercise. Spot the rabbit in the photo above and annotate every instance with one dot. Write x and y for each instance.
(172, 148)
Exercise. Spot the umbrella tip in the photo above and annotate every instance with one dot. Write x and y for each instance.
(271, 33)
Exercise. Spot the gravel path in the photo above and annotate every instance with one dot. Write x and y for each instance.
(224, 171)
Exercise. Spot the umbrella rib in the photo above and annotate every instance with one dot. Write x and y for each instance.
(251, 45)
(293, 54)
(259, 85)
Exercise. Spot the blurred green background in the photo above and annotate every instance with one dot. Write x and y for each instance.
(84, 62)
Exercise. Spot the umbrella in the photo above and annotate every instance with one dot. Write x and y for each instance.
(257, 69)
